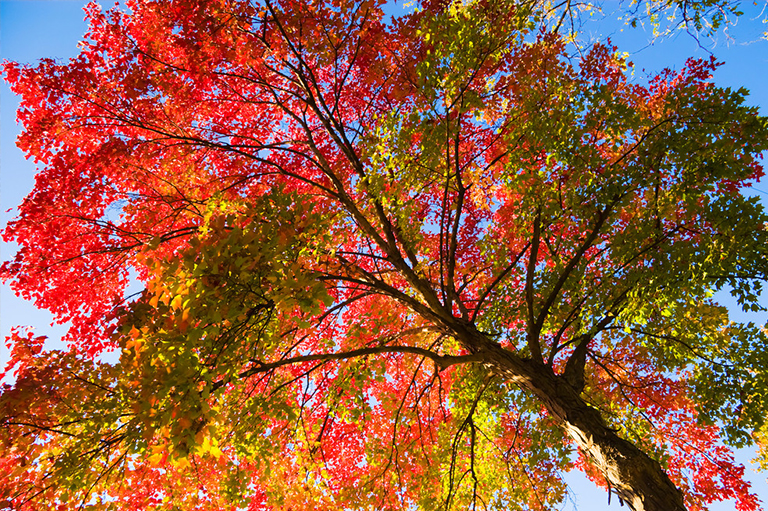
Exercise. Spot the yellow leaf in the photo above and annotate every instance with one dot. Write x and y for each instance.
(181, 462)
(155, 459)
(159, 454)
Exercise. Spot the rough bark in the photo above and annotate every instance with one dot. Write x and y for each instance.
(637, 479)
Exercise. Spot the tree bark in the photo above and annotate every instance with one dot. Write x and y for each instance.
(638, 480)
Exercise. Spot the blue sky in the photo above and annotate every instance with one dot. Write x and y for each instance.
(30, 30)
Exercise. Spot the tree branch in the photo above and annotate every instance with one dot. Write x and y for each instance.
(441, 361)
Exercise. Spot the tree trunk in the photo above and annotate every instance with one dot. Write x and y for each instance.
(637, 479)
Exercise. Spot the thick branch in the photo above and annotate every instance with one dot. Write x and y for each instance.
(533, 333)
(636, 478)
(441, 361)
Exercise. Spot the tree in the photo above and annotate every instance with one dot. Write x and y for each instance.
(428, 261)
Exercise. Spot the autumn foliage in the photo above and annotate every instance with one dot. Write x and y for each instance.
(429, 261)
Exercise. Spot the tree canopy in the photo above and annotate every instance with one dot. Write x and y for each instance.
(427, 261)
